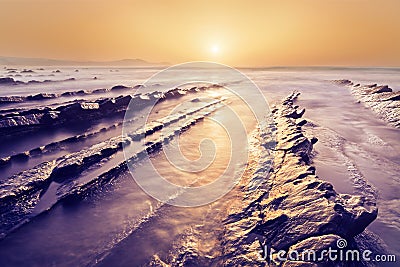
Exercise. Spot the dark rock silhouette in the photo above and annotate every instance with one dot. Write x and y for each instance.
(7, 80)
(27, 71)
(119, 87)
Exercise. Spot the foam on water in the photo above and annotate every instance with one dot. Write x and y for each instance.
(356, 152)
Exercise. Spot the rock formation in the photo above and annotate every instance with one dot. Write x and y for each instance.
(381, 99)
(77, 111)
(295, 209)
(291, 210)
(20, 193)
(7, 81)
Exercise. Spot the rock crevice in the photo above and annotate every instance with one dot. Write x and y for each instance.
(296, 209)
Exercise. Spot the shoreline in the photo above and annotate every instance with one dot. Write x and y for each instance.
(381, 99)
(291, 208)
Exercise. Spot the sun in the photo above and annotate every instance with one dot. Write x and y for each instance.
(215, 49)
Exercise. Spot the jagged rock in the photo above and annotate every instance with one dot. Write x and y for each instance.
(4, 161)
(7, 80)
(33, 81)
(21, 192)
(74, 163)
(119, 87)
(78, 111)
(302, 122)
(18, 121)
(21, 156)
(26, 181)
(12, 99)
(26, 187)
(41, 96)
(157, 262)
(344, 82)
(381, 89)
(380, 99)
(80, 92)
(27, 71)
(96, 91)
(298, 210)
(314, 140)
(44, 96)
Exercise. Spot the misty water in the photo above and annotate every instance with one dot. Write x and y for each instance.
(120, 225)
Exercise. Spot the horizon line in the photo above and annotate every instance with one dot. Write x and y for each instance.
(147, 63)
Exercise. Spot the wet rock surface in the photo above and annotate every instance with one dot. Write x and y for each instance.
(7, 80)
(21, 193)
(79, 111)
(294, 209)
(381, 99)
(44, 96)
(287, 207)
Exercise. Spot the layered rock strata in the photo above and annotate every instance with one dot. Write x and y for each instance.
(295, 210)
(79, 111)
(21, 193)
(381, 99)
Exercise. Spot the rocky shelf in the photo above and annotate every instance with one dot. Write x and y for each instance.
(77, 174)
(381, 99)
(284, 208)
(290, 209)
(295, 210)
(81, 110)
(46, 96)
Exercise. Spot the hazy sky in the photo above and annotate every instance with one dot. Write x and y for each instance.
(239, 33)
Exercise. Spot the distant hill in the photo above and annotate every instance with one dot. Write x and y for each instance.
(19, 61)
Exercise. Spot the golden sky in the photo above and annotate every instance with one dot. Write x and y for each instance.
(239, 33)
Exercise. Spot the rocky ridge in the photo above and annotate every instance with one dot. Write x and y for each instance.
(295, 209)
(80, 110)
(20, 193)
(291, 209)
(381, 99)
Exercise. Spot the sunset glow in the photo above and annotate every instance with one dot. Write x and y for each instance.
(260, 33)
(199, 133)
(215, 49)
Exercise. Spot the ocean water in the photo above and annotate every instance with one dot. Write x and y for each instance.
(123, 226)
